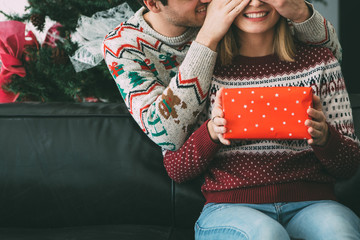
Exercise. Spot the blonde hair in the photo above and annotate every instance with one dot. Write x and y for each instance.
(283, 45)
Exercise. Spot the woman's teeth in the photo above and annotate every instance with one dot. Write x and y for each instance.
(255, 15)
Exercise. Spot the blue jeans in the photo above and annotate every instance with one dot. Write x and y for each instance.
(313, 220)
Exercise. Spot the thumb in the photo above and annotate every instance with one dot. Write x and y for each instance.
(218, 100)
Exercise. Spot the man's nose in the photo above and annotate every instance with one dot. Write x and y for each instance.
(205, 1)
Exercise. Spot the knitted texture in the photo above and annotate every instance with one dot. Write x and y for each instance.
(261, 171)
(165, 81)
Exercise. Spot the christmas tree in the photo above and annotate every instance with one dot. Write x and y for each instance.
(50, 75)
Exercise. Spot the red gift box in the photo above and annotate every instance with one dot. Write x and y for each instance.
(267, 112)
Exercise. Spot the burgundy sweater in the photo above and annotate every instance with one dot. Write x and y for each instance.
(267, 171)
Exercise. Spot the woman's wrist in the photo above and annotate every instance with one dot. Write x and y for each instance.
(213, 135)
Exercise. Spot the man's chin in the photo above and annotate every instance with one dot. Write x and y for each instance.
(199, 22)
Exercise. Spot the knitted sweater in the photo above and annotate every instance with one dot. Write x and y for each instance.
(165, 81)
(265, 171)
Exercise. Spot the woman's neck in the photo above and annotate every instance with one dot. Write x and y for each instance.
(256, 45)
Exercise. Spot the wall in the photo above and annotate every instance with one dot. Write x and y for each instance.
(349, 25)
(343, 15)
(331, 12)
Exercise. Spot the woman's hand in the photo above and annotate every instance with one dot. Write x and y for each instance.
(318, 128)
(216, 125)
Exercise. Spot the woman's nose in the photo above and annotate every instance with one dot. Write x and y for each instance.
(255, 3)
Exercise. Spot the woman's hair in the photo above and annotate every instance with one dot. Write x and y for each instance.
(283, 45)
(164, 2)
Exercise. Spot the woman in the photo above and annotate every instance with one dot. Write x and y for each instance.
(273, 189)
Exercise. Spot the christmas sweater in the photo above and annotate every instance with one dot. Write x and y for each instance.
(165, 81)
(266, 171)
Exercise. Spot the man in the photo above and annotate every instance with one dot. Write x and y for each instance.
(162, 58)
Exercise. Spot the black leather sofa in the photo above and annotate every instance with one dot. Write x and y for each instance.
(86, 171)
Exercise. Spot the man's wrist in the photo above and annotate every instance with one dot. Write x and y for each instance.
(305, 14)
(206, 41)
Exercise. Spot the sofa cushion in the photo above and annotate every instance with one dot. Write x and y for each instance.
(114, 232)
(65, 165)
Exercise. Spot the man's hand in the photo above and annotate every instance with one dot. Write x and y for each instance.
(318, 128)
(217, 124)
(220, 14)
(295, 10)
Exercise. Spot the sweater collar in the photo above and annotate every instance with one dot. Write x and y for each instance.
(188, 35)
(256, 60)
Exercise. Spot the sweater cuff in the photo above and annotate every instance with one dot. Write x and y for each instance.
(206, 142)
(310, 28)
(310, 19)
(199, 59)
(331, 148)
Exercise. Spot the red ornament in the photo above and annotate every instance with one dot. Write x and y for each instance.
(12, 41)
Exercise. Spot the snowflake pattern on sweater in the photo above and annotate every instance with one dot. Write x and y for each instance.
(260, 171)
(165, 81)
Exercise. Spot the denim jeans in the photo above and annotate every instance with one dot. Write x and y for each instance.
(312, 220)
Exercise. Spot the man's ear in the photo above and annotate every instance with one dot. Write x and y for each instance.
(153, 5)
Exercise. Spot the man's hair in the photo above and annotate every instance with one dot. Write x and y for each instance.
(164, 2)
(284, 46)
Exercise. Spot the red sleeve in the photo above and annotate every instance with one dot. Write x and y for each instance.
(340, 155)
(193, 158)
